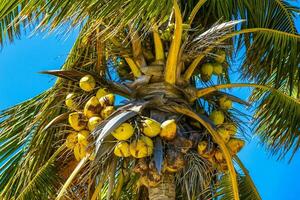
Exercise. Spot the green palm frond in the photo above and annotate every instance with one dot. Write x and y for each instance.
(270, 58)
(44, 183)
(53, 14)
(247, 189)
(277, 122)
(257, 13)
(16, 132)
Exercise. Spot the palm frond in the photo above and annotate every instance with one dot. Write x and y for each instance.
(247, 189)
(55, 13)
(224, 191)
(16, 132)
(208, 39)
(43, 184)
(277, 122)
(270, 58)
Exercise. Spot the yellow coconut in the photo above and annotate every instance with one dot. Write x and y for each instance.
(168, 129)
(206, 69)
(235, 145)
(151, 128)
(122, 149)
(123, 132)
(139, 148)
(93, 122)
(149, 144)
(107, 111)
(219, 156)
(92, 107)
(79, 151)
(77, 120)
(217, 117)
(221, 56)
(231, 128)
(202, 147)
(83, 137)
(217, 69)
(107, 100)
(204, 151)
(70, 103)
(224, 134)
(87, 83)
(71, 140)
(225, 103)
(102, 92)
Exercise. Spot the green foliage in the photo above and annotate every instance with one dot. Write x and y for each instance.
(277, 122)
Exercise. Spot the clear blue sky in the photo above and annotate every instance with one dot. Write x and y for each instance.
(19, 80)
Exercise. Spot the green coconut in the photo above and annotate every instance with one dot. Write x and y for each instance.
(217, 117)
(225, 103)
(217, 69)
(207, 69)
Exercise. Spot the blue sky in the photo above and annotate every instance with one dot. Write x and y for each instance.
(21, 61)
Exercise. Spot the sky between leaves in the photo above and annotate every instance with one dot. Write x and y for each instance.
(21, 61)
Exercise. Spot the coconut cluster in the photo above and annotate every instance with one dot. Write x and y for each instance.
(141, 145)
(84, 121)
(226, 130)
(213, 68)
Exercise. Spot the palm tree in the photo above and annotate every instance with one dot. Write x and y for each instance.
(172, 133)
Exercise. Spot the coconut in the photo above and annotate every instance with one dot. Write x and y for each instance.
(83, 137)
(93, 122)
(204, 150)
(149, 144)
(71, 140)
(217, 69)
(123, 132)
(92, 107)
(168, 129)
(77, 120)
(225, 103)
(79, 151)
(206, 69)
(122, 149)
(87, 83)
(219, 156)
(235, 145)
(202, 147)
(151, 128)
(107, 111)
(217, 117)
(70, 103)
(107, 100)
(221, 56)
(142, 147)
(102, 92)
(224, 134)
(231, 128)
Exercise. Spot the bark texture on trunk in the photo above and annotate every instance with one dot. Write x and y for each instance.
(164, 190)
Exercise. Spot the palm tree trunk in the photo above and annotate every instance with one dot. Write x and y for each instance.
(165, 190)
